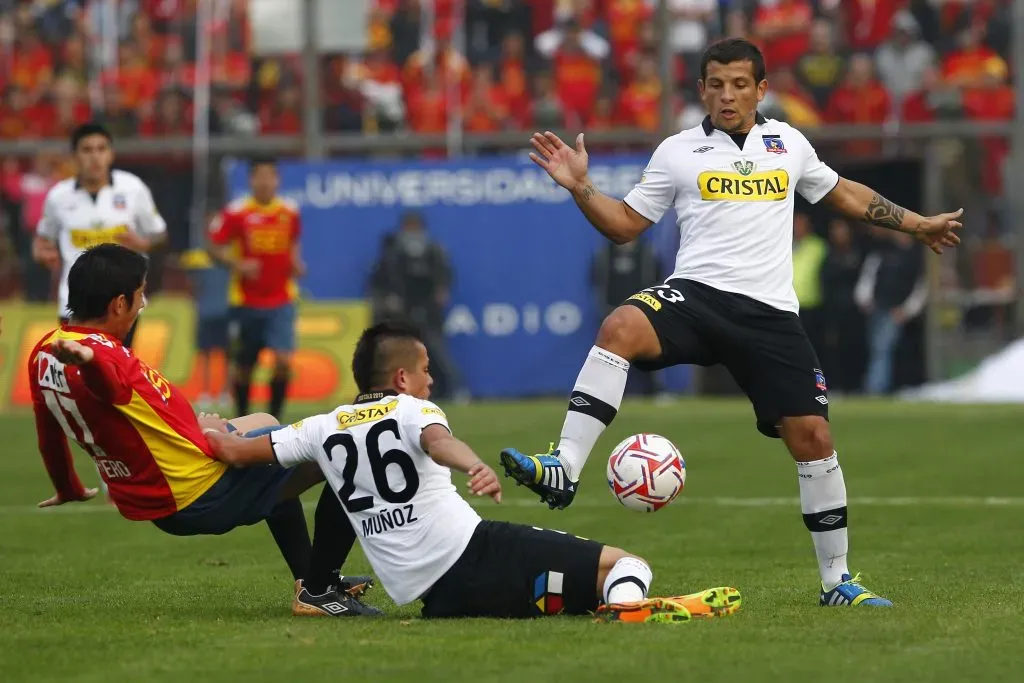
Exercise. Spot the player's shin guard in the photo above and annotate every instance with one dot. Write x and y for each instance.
(593, 405)
(823, 503)
(628, 581)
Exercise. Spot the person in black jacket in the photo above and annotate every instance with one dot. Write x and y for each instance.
(891, 291)
(412, 282)
(844, 324)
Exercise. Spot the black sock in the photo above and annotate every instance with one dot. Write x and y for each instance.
(278, 389)
(333, 537)
(242, 398)
(287, 523)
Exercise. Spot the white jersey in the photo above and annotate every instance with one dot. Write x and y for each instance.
(410, 520)
(734, 206)
(75, 220)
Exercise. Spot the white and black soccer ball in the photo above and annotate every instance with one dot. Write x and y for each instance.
(646, 472)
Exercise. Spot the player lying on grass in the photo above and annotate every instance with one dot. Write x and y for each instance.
(389, 456)
(150, 448)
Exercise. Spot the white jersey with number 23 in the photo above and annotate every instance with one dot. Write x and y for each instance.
(410, 520)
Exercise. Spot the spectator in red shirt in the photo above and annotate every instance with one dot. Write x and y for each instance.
(230, 69)
(624, 18)
(486, 110)
(428, 107)
(640, 101)
(283, 117)
(512, 77)
(972, 60)
(17, 116)
(860, 99)
(867, 21)
(799, 107)
(121, 120)
(70, 106)
(441, 57)
(136, 79)
(991, 99)
(577, 75)
(31, 65)
(782, 28)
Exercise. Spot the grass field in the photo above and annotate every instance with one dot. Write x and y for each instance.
(937, 522)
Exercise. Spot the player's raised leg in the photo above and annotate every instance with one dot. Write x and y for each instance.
(823, 503)
(626, 334)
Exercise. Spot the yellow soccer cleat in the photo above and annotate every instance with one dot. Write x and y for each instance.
(713, 602)
(650, 611)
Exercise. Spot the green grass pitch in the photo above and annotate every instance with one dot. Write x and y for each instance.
(937, 524)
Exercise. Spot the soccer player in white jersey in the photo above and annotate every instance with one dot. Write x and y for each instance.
(98, 206)
(731, 181)
(389, 457)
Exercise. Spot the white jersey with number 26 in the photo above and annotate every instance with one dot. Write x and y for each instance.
(410, 520)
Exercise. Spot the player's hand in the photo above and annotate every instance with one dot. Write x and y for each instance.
(55, 499)
(567, 166)
(484, 482)
(47, 255)
(249, 269)
(936, 232)
(133, 241)
(898, 316)
(212, 421)
(70, 352)
(298, 268)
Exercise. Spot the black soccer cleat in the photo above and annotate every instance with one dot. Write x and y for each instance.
(333, 603)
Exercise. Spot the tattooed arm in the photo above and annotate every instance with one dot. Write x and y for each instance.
(860, 202)
(613, 218)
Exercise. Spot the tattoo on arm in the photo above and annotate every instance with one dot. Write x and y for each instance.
(883, 213)
(587, 192)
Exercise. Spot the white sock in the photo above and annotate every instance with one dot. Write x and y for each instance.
(628, 581)
(823, 502)
(592, 406)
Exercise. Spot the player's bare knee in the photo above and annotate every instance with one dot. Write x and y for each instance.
(626, 332)
(809, 439)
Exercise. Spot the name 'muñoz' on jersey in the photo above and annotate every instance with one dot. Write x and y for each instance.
(76, 220)
(411, 522)
(734, 205)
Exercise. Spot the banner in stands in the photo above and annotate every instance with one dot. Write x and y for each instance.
(327, 334)
(522, 314)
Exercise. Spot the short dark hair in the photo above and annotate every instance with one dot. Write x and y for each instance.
(375, 351)
(100, 275)
(730, 50)
(261, 161)
(85, 130)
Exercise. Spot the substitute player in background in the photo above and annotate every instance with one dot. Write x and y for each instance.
(98, 206)
(390, 455)
(258, 239)
(730, 300)
(151, 450)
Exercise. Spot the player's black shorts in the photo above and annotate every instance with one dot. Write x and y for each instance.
(765, 349)
(515, 571)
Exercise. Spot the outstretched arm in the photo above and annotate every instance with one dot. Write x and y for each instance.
(614, 218)
(860, 202)
(454, 453)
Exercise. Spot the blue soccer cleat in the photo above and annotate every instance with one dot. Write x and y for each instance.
(543, 474)
(851, 593)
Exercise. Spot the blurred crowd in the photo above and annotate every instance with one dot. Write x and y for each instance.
(498, 64)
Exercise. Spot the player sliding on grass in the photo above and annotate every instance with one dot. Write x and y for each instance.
(731, 181)
(389, 456)
(150, 449)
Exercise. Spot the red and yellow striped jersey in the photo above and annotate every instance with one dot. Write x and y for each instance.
(137, 427)
(267, 233)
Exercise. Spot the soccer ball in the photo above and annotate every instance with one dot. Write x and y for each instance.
(646, 472)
